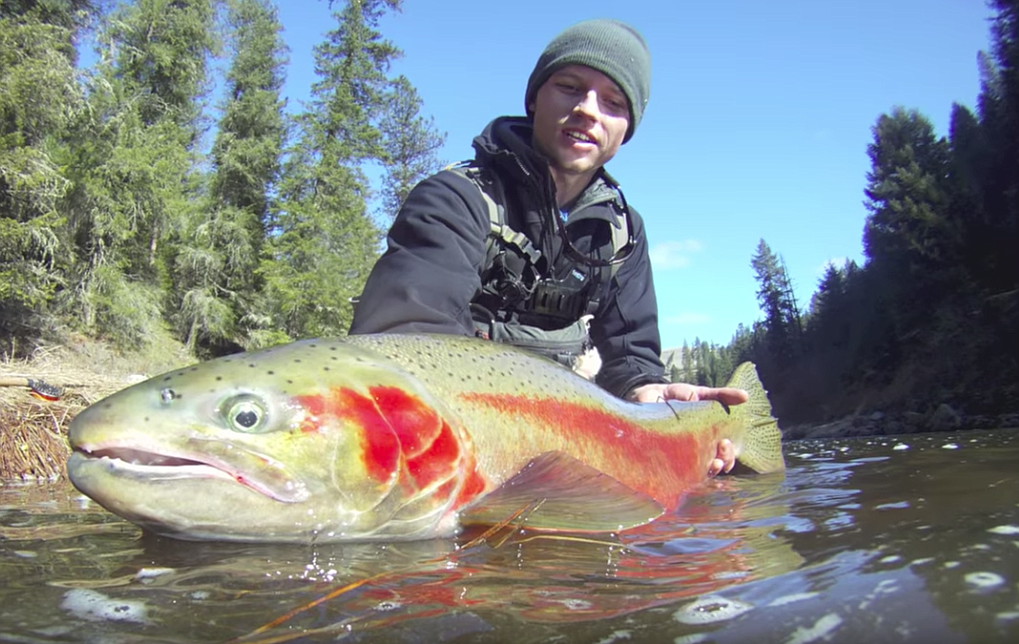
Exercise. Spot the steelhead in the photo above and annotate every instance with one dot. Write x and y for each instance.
(398, 437)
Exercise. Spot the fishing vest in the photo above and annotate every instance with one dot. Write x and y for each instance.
(519, 304)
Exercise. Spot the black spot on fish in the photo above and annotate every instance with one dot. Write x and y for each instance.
(290, 382)
(297, 359)
(270, 373)
(166, 378)
(219, 378)
(251, 365)
(325, 368)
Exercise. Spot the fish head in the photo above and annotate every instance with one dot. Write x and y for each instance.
(310, 441)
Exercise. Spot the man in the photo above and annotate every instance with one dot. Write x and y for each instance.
(534, 240)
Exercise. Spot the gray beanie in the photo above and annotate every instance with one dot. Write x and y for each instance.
(609, 46)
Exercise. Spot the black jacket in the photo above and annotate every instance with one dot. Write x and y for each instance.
(430, 272)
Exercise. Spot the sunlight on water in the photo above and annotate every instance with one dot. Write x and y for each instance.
(909, 538)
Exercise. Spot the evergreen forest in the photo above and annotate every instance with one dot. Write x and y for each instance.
(130, 214)
(932, 315)
(118, 221)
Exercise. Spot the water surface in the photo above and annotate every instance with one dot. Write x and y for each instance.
(891, 539)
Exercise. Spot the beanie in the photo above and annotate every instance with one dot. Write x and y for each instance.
(609, 46)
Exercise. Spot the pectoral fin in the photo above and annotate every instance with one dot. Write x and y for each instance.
(561, 493)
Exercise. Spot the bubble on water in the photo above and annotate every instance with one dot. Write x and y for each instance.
(1007, 616)
(384, 606)
(952, 564)
(94, 606)
(577, 604)
(615, 636)
(901, 505)
(890, 559)
(984, 579)
(710, 609)
(821, 629)
(789, 599)
(145, 574)
(900, 447)
(693, 638)
(922, 560)
(949, 446)
(1005, 529)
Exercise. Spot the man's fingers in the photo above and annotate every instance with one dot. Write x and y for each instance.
(725, 458)
(726, 395)
(716, 467)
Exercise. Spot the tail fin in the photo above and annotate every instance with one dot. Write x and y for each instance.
(762, 446)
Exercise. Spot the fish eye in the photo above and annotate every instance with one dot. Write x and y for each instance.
(245, 415)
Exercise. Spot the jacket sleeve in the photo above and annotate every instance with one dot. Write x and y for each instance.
(625, 329)
(425, 280)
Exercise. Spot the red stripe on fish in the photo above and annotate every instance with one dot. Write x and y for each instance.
(662, 466)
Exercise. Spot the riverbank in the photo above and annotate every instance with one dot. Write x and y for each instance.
(40, 395)
(943, 418)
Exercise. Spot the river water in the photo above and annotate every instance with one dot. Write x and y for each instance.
(890, 539)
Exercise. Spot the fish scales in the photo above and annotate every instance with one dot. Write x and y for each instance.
(397, 437)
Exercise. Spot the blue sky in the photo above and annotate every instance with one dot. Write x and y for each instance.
(757, 127)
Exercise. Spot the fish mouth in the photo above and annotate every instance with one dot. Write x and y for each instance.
(244, 467)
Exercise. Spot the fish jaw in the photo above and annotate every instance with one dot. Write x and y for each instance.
(140, 462)
(361, 454)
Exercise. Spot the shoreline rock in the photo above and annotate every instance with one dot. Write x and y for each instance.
(944, 418)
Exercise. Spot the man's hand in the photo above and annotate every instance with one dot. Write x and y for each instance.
(725, 456)
(681, 391)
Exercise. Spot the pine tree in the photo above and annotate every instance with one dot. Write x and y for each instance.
(911, 239)
(133, 165)
(323, 239)
(217, 290)
(997, 232)
(411, 145)
(775, 296)
(39, 99)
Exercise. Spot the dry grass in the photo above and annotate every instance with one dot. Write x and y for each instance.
(33, 432)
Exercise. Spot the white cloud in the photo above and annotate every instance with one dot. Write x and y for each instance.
(673, 254)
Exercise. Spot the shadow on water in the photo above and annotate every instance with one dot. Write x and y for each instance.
(911, 539)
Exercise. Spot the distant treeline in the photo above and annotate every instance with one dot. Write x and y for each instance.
(933, 314)
(120, 220)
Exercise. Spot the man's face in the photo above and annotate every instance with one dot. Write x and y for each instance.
(580, 119)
